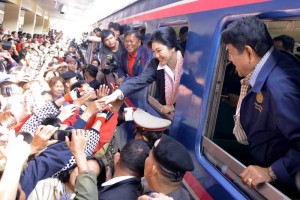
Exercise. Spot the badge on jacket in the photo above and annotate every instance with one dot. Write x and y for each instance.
(259, 97)
(259, 100)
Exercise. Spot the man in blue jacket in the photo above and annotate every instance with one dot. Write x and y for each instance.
(267, 118)
(133, 62)
(134, 59)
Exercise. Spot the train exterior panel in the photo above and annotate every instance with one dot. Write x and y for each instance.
(194, 117)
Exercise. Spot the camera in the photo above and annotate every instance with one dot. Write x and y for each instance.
(6, 45)
(60, 135)
(112, 65)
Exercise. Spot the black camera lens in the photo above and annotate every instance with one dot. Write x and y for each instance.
(60, 135)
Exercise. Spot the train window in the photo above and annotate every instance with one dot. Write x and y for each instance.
(220, 146)
(153, 94)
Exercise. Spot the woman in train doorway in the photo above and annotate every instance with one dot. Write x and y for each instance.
(165, 69)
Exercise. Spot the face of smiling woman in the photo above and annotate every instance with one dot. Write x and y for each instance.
(163, 53)
(57, 89)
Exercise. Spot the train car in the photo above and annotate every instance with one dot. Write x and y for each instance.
(202, 121)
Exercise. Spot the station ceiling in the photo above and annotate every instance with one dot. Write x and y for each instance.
(73, 9)
(69, 13)
(79, 12)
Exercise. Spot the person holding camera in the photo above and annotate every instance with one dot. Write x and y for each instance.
(110, 57)
(9, 56)
(49, 162)
(69, 183)
(7, 63)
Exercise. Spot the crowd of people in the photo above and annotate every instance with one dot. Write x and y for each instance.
(54, 111)
(59, 113)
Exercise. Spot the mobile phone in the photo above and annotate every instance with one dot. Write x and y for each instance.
(109, 114)
(61, 134)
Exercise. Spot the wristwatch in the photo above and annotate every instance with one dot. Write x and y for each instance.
(272, 174)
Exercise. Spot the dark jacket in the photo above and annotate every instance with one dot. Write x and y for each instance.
(104, 51)
(149, 75)
(138, 66)
(270, 116)
(45, 165)
(128, 189)
(109, 79)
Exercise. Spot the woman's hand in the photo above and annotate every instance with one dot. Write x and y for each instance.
(166, 109)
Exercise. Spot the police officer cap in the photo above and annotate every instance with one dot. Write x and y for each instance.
(68, 75)
(92, 68)
(149, 122)
(172, 157)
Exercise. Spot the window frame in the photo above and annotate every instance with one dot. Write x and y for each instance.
(225, 163)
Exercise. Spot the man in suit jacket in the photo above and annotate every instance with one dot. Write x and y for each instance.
(133, 62)
(129, 168)
(134, 59)
(269, 113)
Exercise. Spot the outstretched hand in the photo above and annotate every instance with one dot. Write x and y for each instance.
(66, 112)
(103, 91)
(117, 94)
(16, 150)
